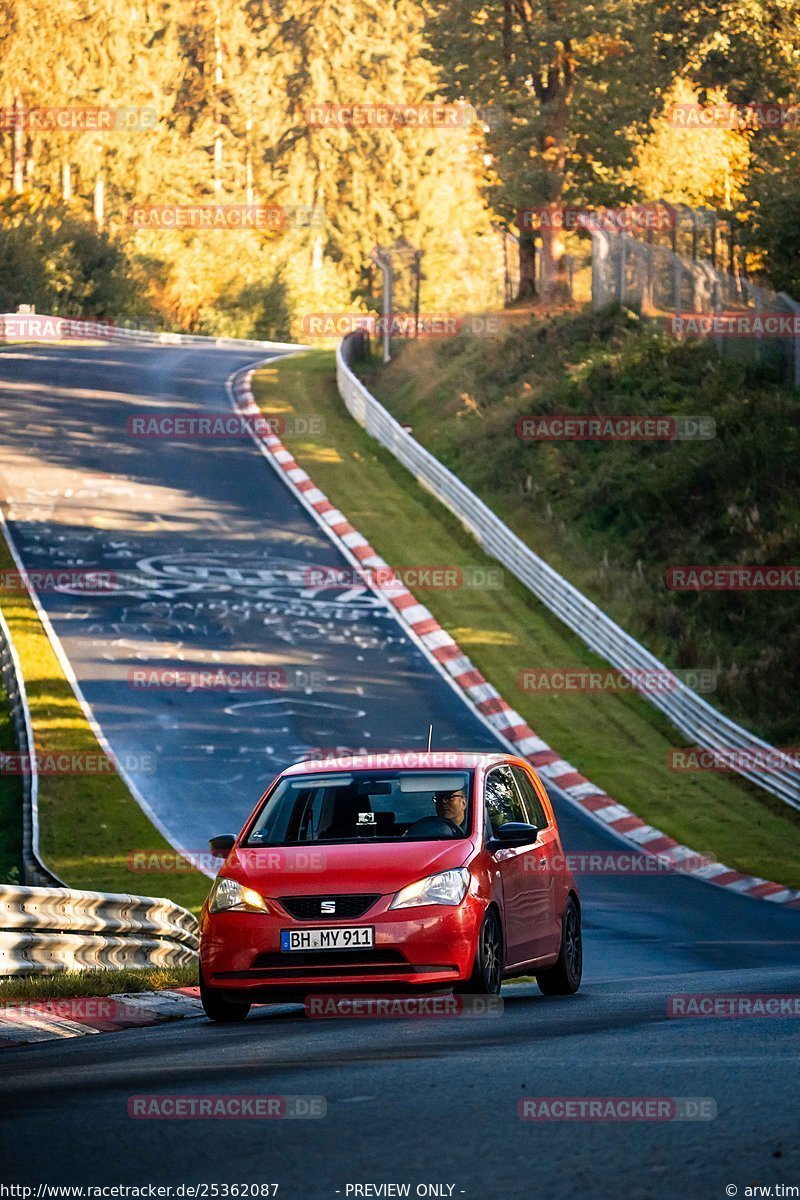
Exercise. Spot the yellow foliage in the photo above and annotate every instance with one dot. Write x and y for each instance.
(702, 165)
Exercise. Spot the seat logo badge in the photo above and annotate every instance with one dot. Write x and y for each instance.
(328, 906)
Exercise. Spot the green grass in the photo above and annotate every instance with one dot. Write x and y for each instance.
(89, 824)
(619, 742)
(96, 983)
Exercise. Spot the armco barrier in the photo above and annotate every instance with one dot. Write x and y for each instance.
(33, 869)
(47, 930)
(104, 333)
(698, 720)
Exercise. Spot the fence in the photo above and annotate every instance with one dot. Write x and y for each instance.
(511, 271)
(658, 282)
(52, 930)
(689, 712)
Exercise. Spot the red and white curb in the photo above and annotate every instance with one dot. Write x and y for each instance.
(482, 697)
(24, 1021)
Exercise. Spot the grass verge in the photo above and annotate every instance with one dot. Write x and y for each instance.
(89, 824)
(96, 983)
(618, 741)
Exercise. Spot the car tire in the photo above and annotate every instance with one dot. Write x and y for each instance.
(564, 978)
(218, 1008)
(487, 973)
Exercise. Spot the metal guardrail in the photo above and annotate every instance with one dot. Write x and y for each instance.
(34, 870)
(77, 328)
(46, 930)
(699, 721)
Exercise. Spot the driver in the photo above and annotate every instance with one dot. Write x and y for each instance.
(452, 807)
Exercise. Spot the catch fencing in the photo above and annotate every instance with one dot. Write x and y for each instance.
(654, 280)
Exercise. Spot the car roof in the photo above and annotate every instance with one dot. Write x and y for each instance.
(400, 760)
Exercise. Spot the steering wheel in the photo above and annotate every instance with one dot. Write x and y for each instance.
(433, 827)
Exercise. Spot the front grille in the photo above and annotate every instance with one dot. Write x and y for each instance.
(328, 962)
(309, 908)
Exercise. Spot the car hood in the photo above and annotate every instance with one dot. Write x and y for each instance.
(322, 868)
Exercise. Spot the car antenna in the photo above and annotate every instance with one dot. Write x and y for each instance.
(430, 735)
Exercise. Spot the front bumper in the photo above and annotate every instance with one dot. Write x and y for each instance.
(422, 948)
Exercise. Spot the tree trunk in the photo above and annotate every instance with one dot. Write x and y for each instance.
(553, 280)
(527, 266)
(553, 150)
(17, 150)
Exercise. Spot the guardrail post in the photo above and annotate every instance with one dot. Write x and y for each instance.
(383, 259)
(677, 276)
(620, 281)
(794, 309)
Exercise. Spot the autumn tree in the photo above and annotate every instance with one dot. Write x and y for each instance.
(533, 64)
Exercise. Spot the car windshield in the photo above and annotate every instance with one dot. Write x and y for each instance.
(365, 806)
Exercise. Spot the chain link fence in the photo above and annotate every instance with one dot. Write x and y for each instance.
(697, 298)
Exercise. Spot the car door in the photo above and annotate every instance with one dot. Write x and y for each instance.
(521, 887)
(544, 863)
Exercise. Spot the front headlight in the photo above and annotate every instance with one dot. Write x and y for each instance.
(229, 893)
(448, 887)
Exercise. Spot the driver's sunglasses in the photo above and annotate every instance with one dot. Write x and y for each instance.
(459, 795)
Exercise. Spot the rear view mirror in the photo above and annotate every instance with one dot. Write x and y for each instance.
(221, 846)
(377, 788)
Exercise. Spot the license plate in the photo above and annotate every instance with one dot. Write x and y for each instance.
(354, 937)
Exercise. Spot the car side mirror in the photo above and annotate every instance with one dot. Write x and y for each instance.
(515, 833)
(221, 846)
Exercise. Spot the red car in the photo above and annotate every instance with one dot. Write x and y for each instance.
(391, 872)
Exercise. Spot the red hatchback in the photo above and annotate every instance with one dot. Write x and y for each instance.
(390, 872)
